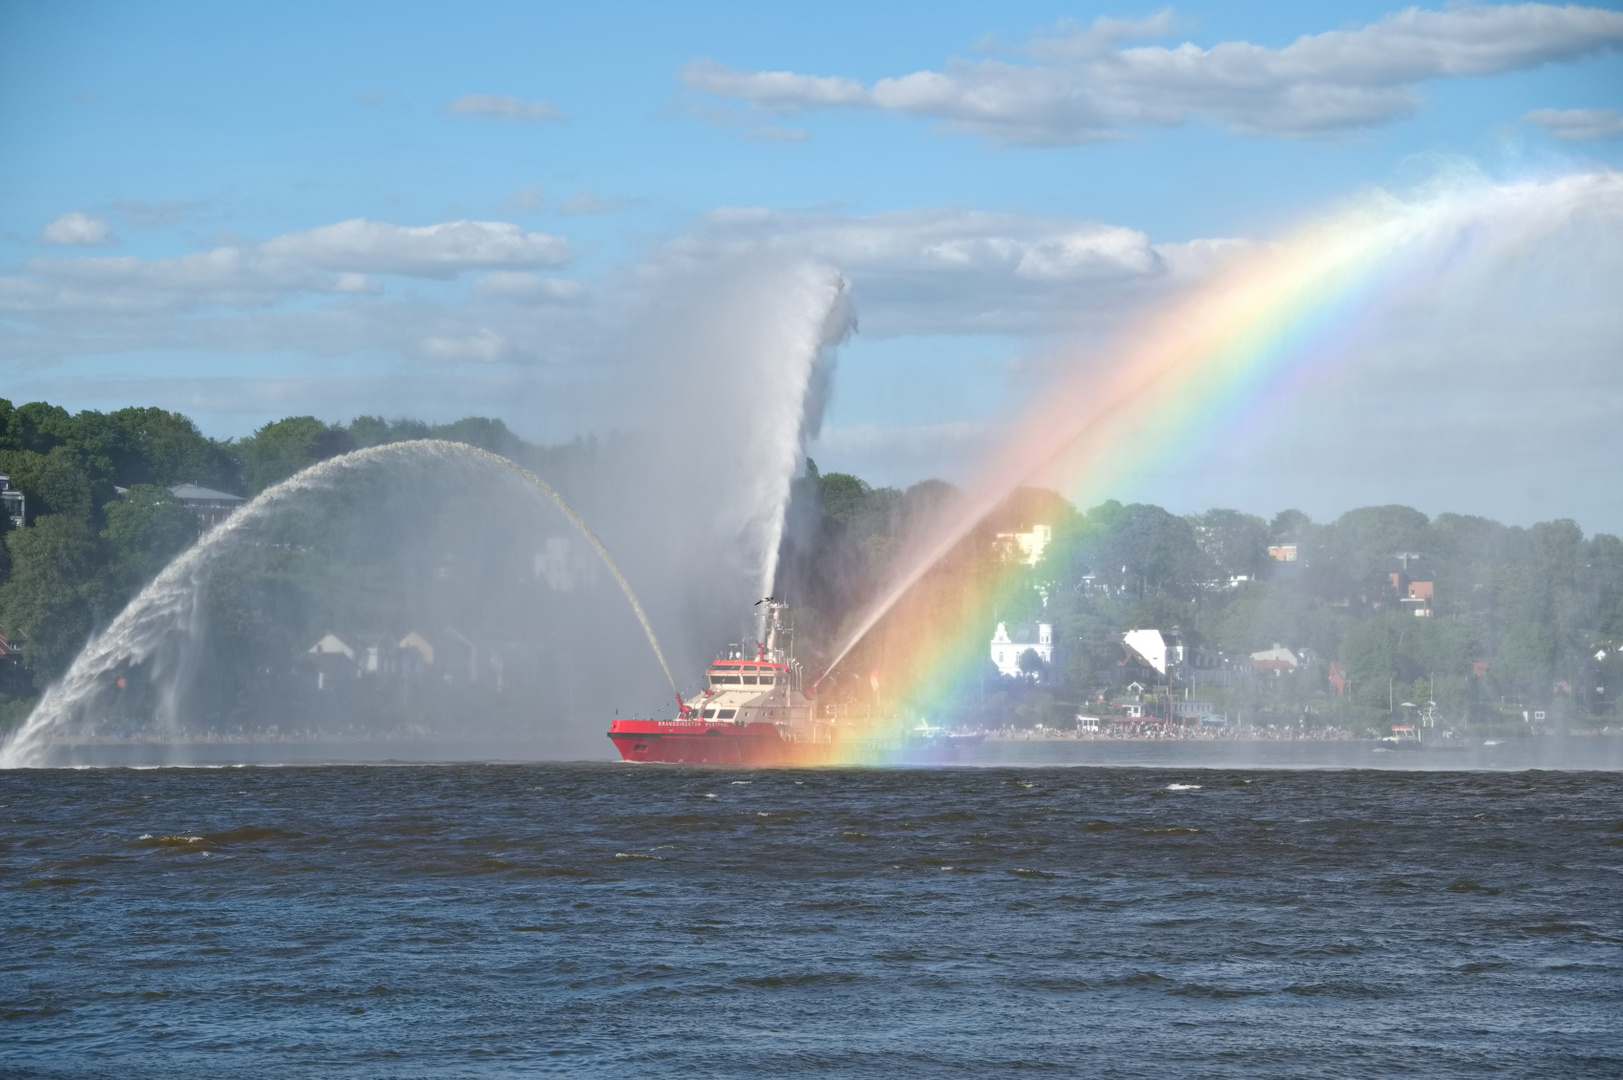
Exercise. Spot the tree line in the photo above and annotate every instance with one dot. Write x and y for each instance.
(1521, 616)
(1522, 619)
(101, 520)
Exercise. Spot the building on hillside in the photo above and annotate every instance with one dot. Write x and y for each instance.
(1130, 704)
(368, 655)
(1282, 552)
(331, 658)
(1162, 651)
(1340, 680)
(1412, 584)
(1026, 547)
(1173, 656)
(416, 653)
(13, 503)
(210, 506)
(376, 654)
(1275, 661)
(1008, 646)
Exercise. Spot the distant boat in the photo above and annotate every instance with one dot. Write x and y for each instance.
(1403, 737)
(930, 743)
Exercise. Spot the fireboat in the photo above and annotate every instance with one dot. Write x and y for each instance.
(754, 709)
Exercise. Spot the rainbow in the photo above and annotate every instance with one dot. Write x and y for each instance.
(1244, 342)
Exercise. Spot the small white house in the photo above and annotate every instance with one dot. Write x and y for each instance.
(1007, 647)
(332, 657)
(1275, 661)
(331, 645)
(1162, 651)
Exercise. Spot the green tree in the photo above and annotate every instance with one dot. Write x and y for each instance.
(1031, 664)
(1365, 540)
(1141, 548)
(1370, 654)
(278, 450)
(55, 482)
(52, 598)
(1290, 527)
(35, 426)
(1236, 542)
(480, 431)
(145, 530)
(154, 446)
(842, 496)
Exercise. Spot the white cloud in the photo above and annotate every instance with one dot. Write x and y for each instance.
(1578, 125)
(519, 285)
(350, 282)
(1080, 85)
(425, 251)
(76, 229)
(964, 271)
(484, 345)
(86, 296)
(127, 285)
(504, 107)
(782, 90)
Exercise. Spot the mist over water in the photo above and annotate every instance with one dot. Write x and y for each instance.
(524, 648)
(163, 626)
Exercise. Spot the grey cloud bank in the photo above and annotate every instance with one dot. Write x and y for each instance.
(1578, 125)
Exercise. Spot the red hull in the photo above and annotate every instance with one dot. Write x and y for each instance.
(703, 742)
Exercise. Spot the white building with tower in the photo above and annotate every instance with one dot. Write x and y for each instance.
(1007, 647)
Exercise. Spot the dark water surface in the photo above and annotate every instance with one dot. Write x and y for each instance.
(604, 920)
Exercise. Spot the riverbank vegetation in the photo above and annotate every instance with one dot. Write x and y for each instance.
(1517, 620)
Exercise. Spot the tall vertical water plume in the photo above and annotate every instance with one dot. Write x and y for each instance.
(728, 374)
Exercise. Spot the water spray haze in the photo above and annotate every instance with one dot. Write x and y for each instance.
(1273, 317)
(168, 608)
(730, 365)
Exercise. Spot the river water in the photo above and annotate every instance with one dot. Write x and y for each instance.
(604, 920)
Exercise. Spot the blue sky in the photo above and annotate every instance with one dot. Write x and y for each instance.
(137, 139)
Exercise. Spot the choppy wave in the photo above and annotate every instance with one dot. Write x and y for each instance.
(599, 921)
